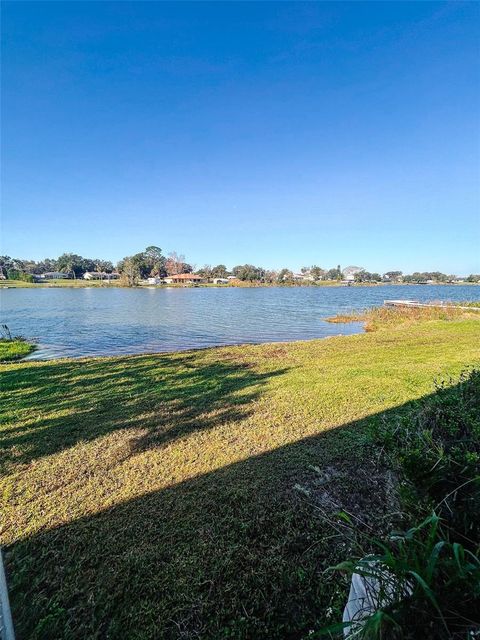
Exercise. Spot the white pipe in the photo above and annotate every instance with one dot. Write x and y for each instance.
(6, 624)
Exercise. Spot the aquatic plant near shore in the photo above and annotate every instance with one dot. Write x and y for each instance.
(383, 317)
(13, 347)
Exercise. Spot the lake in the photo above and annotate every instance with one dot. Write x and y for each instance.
(112, 321)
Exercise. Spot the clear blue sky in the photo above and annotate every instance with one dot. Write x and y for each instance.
(282, 134)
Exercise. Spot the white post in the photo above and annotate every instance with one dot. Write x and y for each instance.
(6, 624)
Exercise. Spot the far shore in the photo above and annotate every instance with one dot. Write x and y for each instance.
(80, 283)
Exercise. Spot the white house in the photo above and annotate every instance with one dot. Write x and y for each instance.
(305, 277)
(100, 275)
(54, 275)
(349, 273)
(221, 281)
(184, 278)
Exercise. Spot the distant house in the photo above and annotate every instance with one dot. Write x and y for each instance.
(54, 275)
(184, 278)
(389, 278)
(302, 277)
(100, 275)
(221, 281)
(154, 280)
(349, 273)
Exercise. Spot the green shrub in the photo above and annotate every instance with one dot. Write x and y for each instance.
(428, 586)
(438, 447)
(431, 573)
(15, 274)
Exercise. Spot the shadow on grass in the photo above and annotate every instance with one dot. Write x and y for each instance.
(167, 397)
(235, 553)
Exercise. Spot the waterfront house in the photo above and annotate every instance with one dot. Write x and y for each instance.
(221, 281)
(302, 277)
(54, 275)
(349, 273)
(100, 275)
(184, 278)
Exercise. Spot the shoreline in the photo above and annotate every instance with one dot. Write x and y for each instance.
(369, 321)
(88, 284)
(141, 354)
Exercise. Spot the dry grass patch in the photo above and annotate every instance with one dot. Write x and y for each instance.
(389, 317)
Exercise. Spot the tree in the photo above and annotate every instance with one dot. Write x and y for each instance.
(14, 274)
(316, 272)
(270, 276)
(130, 271)
(393, 276)
(6, 264)
(103, 266)
(49, 264)
(155, 260)
(285, 275)
(176, 264)
(360, 276)
(147, 263)
(334, 274)
(366, 276)
(248, 273)
(425, 276)
(73, 263)
(220, 271)
(205, 272)
(142, 263)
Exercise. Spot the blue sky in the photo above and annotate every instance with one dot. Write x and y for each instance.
(282, 134)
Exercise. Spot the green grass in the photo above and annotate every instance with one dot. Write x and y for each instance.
(179, 495)
(58, 283)
(16, 283)
(15, 349)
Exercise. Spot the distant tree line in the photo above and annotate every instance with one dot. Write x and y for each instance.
(153, 263)
(70, 263)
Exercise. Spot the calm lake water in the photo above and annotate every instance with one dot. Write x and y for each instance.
(80, 322)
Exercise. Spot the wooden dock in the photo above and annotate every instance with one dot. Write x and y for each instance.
(418, 304)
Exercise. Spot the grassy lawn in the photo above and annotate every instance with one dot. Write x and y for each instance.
(16, 283)
(59, 283)
(164, 496)
(15, 349)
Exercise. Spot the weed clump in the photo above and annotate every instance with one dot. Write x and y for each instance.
(389, 317)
